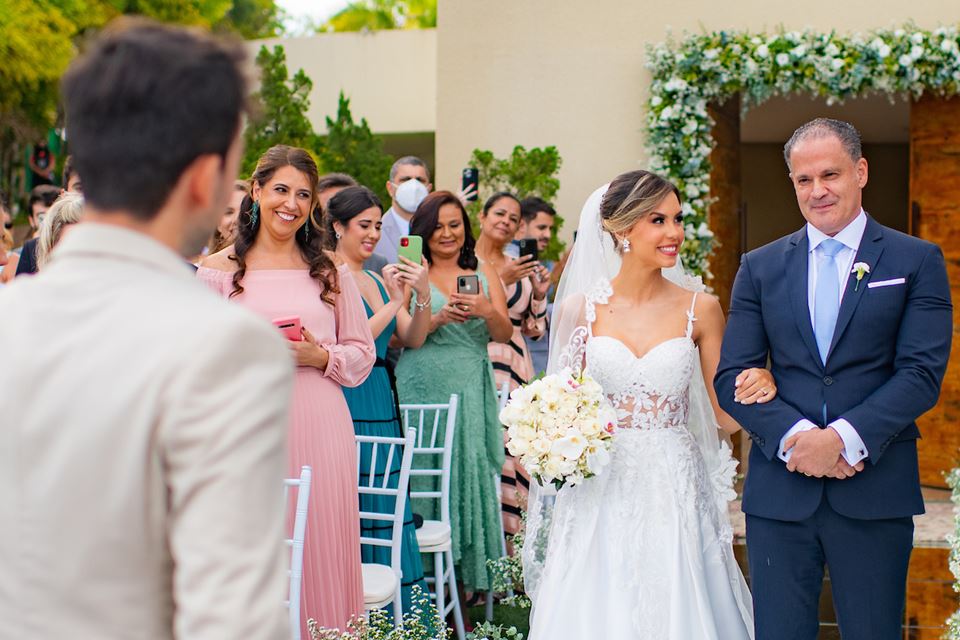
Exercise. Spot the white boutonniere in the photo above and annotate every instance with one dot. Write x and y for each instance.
(861, 269)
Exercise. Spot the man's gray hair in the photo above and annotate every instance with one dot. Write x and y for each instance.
(408, 160)
(821, 127)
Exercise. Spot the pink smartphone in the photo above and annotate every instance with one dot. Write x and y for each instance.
(290, 327)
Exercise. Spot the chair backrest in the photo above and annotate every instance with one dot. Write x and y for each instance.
(375, 479)
(295, 573)
(435, 424)
(503, 396)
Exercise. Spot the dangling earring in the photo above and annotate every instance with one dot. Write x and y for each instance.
(625, 243)
(306, 231)
(254, 214)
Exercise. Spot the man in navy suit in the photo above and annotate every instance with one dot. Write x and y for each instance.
(856, 321)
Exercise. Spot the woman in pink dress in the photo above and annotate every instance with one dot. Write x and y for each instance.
(277, 268)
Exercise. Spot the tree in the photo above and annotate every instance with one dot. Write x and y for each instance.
(283, 109)
(524, 173)
(38, 40)
(351, 148)
(252, 19)
(374, 15)
(193, 12)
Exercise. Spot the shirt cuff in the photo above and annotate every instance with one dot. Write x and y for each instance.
(800, 426)
(854, 450)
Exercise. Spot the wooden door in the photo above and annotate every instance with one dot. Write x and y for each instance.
(724, 220)
(724, 213)
(935, 216)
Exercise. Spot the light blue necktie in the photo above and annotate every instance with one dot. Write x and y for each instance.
(826, 300)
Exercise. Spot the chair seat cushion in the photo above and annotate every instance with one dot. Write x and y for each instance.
(433, 533)
(379, 583)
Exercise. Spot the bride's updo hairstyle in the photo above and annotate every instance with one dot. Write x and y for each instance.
(630, 197)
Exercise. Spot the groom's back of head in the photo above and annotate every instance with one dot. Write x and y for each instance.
(142, 103)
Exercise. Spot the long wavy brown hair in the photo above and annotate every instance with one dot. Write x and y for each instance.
(322, 268)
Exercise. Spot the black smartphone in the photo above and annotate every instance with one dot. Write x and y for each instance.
(528, 247)
(470, 178)
(468, 284)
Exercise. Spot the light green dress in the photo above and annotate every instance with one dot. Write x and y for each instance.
(454, 360)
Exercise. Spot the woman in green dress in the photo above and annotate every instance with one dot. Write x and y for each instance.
(352, 222)
(453, 359)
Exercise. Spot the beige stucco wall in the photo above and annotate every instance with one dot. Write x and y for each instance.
(571, 74)
(389, 76)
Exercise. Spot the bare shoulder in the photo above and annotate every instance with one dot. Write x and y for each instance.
(709, 316)
(708, 307)
(220, 260)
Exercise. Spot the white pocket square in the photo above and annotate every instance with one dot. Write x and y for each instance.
(886, 283)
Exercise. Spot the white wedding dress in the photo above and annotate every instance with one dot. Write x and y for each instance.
(642, 550)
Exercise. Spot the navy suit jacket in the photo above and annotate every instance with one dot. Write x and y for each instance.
(884, 369)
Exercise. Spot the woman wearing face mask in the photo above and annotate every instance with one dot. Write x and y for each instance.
(352, 229)
(525, 283)
(454, 359)
(278, 268)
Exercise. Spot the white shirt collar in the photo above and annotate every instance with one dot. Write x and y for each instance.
(119, 243)
(849, 236)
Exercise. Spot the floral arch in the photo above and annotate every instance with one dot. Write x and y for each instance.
(709, 68)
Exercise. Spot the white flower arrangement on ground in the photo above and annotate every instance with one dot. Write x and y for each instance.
(560, 428)
(710, 67)
(953, 481)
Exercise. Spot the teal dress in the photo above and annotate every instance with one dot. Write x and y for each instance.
(373, 408)
(454, 360)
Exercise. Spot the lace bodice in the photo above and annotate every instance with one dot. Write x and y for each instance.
(650, 391)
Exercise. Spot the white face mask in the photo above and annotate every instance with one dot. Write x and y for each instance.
(410, 194)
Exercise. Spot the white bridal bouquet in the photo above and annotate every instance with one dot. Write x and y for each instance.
(560, 428)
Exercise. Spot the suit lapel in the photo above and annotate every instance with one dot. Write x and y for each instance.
(871, 247)
(796, 274)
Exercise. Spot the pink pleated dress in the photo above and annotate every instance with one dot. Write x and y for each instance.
(321, 430)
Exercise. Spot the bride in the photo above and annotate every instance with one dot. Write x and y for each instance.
(644, 549)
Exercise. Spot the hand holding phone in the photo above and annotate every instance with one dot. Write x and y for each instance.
(470, 184)
(469, 285)
(515, 270)
(411, 248)
(290, 327)
(529, 247)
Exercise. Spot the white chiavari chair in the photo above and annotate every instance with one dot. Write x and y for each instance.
(435, 424)
(381, 583)
(295, 543)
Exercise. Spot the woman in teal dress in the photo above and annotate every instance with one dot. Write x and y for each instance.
(453, 359)
(353, 229)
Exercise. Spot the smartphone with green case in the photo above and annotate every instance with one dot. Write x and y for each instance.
(411, 248)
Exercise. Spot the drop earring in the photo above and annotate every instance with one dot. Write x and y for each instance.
(306, 231)
(625, 243)
(254, 214)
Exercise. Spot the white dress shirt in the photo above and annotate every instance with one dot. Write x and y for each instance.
(854, 450)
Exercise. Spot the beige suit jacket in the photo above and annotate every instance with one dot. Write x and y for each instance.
(142, 451)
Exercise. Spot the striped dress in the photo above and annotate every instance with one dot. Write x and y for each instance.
(511, 363)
